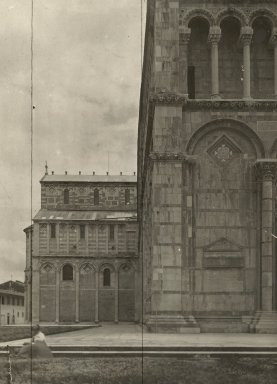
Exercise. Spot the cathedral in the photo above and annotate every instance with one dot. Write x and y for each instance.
(207, 160)
(82, 261)
(190, 244)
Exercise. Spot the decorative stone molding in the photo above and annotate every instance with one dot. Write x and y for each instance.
(199, 12)
(167, 98)
(266, 169)
(273, 39)
(214, 35)
(234, 12)
(223, 151)
(169, 156)
(184, 33)
(263, 12)
(246, 35)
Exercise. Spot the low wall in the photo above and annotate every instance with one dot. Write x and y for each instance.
(16, 332)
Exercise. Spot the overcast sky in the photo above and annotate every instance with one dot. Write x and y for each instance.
(86, 84)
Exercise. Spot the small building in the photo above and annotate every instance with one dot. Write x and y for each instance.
(84, 261)
(12, 303)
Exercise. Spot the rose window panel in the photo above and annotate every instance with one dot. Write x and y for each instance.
(224, 150)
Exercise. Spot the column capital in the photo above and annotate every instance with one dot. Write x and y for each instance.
(184, 33)
(214, 35)
(246, 35)
(273, 38)
(266, 168)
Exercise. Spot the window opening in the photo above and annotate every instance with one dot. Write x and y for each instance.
(127, 196)
(106, 277)
(82, 231)
(68, 272)
(191, 82)
(112, 232)
(53, 231)
(96, 197)
(66, 196)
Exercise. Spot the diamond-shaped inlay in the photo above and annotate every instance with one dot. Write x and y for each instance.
(223, 150)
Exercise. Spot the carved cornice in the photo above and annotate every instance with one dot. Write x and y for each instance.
(214, 35)
(246, 35)
(273, 39)
(246, 14)
(266, 169)
(184, 34)
(170, 156)
(167, 98)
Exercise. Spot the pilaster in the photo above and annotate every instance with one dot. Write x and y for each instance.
(267, 170)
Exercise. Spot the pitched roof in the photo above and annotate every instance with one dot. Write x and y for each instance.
(16, 286)
(89, 178)
(47, 215)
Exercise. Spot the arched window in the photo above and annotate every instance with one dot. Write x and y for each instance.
(106, 277)
(96, 196)
(68, 272)
(127, 196)
(66, 196)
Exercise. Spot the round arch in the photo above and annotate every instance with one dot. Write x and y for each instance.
(198, 13)
(47, 265)
(265, 13)
(236, 125)
(86, 264)
(232, 12)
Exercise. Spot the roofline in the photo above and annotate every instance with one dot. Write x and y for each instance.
(11, 292)
(30, 228)
(91, 181)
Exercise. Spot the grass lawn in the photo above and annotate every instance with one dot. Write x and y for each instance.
(132, 371)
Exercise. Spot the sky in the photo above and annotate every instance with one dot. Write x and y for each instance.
(86, 84)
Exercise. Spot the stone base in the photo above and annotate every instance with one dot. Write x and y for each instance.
(172, 324)
(224, 324)
(265, 322)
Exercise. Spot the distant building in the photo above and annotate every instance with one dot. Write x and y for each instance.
(84, 250)
(12, 303)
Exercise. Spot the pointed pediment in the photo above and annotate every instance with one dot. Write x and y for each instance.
(223, 245)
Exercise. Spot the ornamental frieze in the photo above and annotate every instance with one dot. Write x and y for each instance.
(167, 98)
(169, 156)
(214, 15)
(266, 169)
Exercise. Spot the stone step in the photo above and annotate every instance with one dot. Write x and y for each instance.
(178, 354)
(161, 348)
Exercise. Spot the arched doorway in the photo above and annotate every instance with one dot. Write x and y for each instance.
(106, 293)
(126, 293)
(87, 293)
(224, 233)
(67, 294)
(47, 300)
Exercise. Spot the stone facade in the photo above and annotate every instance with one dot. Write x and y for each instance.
(84, 262)
(207, 166)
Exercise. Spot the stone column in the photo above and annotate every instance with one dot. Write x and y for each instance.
(274, 43)
(245, 38)
(267, 171)
(96, 296)
(214, 38)
(57, 295)
(58, 236)
(48, 238)
(77, 292)
(35, 295)
(184, 33)
(116, 297)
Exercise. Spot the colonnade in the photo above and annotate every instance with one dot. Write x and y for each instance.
(214, 39)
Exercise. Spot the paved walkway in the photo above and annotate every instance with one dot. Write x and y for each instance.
(132, 335)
